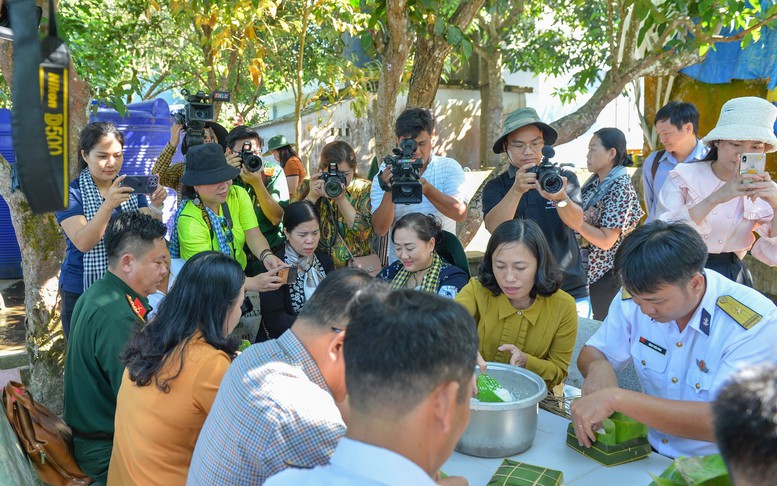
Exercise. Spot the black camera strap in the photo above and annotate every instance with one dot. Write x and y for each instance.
(40, 100)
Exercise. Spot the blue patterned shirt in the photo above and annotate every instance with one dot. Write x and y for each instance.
(273, 411)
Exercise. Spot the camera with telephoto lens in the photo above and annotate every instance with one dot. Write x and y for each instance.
(548, 173)
(197, 111)
(406, 172)
(334, 181)
(249, 159)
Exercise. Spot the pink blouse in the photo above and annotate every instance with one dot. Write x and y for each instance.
(729, 226)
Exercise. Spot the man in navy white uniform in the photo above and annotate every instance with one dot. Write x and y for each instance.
(687, 330)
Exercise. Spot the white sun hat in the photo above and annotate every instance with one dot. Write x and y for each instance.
(746, 119)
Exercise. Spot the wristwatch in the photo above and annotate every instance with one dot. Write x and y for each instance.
(563, 203)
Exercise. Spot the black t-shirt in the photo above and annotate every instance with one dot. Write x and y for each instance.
(561, 237)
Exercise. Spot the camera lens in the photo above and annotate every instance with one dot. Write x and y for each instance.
(551, 182)
(333, 188)
(253, 163)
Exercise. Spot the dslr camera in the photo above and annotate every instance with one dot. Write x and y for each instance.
(249, 159)
(197, 111)
(334, 181)
(406, 172)
(548, 173)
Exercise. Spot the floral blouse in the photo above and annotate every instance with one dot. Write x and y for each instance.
(357, 238)
(620, 209)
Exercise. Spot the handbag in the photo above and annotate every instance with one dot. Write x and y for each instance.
(369, 263)
(45, 437)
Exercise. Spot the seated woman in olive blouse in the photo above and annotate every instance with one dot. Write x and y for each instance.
(523, 317)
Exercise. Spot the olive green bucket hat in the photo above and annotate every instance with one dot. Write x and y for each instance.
(519, 119)
(277, 142)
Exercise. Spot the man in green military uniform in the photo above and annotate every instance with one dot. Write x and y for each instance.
(267, 187)
(102, 320)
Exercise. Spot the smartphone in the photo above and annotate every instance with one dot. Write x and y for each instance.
(752, 164)
(142, 184)
(288, 274)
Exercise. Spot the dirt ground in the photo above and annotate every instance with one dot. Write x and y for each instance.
(12, 316)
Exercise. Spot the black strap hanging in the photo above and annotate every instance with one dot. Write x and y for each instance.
(40, 108)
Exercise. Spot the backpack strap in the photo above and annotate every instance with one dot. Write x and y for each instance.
(654, 168)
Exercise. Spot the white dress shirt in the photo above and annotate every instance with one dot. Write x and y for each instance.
(691, 365)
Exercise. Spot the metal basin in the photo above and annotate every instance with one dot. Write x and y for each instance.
(507, 428)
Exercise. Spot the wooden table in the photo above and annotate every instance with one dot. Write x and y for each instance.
(550, 450)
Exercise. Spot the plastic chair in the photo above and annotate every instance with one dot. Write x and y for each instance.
(452, 251)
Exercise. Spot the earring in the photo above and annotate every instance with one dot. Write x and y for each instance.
(196, 199)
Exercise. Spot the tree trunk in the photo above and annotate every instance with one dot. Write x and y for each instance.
(42, 247)
(431, 51)
(394, 49)
(491, 106)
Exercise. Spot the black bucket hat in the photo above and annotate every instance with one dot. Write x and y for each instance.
(207, 164)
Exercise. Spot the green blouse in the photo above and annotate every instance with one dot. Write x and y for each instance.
(352, 241)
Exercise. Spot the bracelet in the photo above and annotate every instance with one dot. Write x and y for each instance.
(156, 209)
(264, 254)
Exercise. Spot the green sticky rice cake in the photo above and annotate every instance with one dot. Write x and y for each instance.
(515, 473)
(698, 471)
(620, 440)
(490, 390)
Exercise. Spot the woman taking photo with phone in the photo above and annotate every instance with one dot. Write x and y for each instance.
(307, 268)
(94, 198)
(725, 206)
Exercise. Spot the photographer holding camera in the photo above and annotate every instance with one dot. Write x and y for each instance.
(342, 198)
(263, 180)
(518, 193)
(441, 179)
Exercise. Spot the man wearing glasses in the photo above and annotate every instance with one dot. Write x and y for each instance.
(516, 194)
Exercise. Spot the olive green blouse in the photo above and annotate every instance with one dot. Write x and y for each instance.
(545, 332)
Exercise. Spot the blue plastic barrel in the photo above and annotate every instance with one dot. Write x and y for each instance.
(146, 128)
(10, 255)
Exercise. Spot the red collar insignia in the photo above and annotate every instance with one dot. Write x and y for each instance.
(137, 307)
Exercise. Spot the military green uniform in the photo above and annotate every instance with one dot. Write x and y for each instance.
(102, 320)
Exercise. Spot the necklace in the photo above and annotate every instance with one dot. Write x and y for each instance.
(414, 275)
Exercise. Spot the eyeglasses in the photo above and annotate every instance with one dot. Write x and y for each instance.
(534, 145)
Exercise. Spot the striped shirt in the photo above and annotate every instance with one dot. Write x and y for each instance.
(273, 411)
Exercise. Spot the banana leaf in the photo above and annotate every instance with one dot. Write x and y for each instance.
(698, 471)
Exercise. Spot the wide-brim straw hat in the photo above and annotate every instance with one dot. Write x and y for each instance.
(521, 118)
(207, 164)
(746, 119)
(277, 142)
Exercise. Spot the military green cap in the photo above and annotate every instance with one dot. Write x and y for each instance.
(521, 118)
(277, 142)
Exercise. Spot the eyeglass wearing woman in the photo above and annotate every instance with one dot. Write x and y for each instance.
(523, 318)
(174, 366)
(94, 197)
(280, 308)
(724, 206)
(415, 237)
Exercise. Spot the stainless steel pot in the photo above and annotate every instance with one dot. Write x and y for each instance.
(507, 428)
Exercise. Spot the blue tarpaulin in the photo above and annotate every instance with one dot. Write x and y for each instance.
(729, 61)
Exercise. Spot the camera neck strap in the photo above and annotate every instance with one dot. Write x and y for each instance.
(40, 97)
